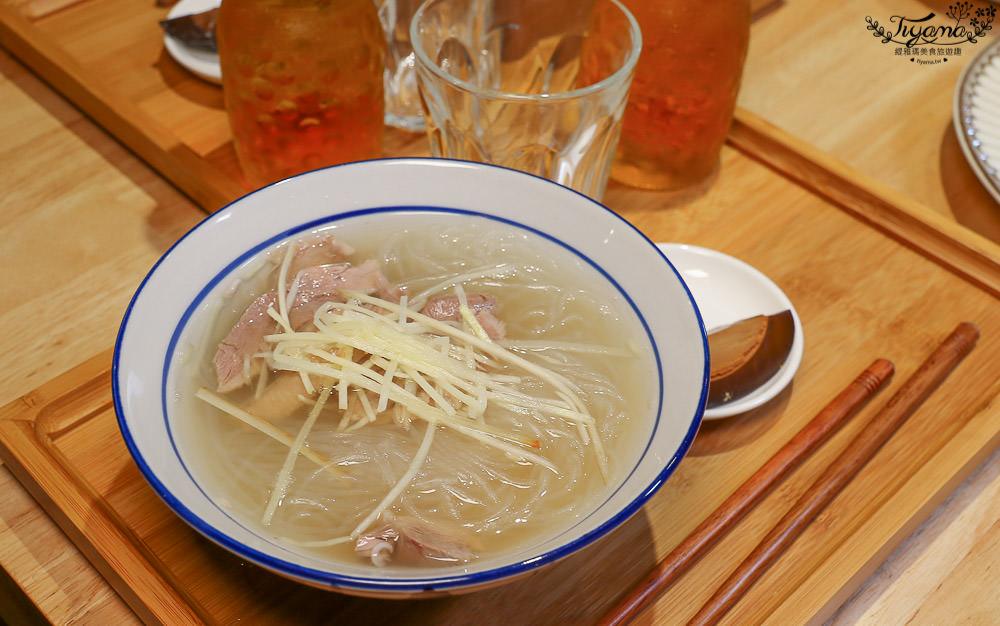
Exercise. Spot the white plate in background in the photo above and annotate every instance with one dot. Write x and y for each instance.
(201, 63)
(977, 116)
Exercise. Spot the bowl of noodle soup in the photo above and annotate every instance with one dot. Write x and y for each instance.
(410, 377)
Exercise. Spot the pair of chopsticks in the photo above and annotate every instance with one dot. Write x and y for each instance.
(914, 391)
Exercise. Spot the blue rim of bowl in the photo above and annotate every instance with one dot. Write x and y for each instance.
(444, 583)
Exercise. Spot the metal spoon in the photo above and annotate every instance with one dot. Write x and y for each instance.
(746, 354)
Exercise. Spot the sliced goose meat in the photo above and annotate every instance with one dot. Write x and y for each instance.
(232, 358)
(315, 286)
(280, 398)
(319, 250)
(411, 541)
(446, 309)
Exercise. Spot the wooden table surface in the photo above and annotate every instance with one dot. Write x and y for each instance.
(82, 219)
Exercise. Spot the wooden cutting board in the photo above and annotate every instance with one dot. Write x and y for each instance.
(872, 274)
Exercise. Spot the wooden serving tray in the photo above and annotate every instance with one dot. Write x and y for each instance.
(862, 289)
(872, 274)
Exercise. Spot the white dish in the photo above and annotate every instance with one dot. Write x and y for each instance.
(977, 116)
(201, 63)
(199, 267)
(727, 290)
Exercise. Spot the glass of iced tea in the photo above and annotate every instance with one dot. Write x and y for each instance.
(684, 92)
(302, 82)
(534, 86)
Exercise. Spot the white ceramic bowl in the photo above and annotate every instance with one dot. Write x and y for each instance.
(201, 261)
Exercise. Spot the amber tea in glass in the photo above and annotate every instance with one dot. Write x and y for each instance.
(302, 81)
(684, 91)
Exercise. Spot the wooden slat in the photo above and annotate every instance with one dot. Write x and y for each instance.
(196, 177)
(909, 221)
(27, 428)
(41, 8)
(824, 78)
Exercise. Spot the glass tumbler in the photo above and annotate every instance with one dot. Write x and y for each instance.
(402, 98)
(534, 86)
(302, 83)
(684, 92)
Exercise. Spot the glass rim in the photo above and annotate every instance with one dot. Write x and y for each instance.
(619, 75)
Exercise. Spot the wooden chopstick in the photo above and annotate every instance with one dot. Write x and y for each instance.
(864, 446)
(827, 421)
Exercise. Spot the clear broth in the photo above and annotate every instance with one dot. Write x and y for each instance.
(499, 504)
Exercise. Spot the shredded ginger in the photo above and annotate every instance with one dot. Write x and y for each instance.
(453, 390)
(444, 374)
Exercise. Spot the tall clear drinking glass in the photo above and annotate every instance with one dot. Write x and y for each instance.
(535, 86)
(402, 98)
